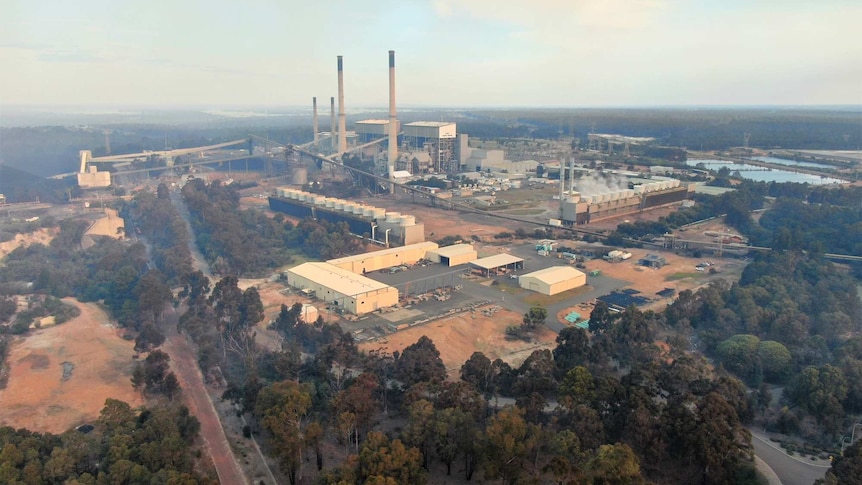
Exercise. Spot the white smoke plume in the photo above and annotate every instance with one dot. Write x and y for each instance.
(596, 183)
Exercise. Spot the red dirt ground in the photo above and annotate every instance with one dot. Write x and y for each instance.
(185, 366)
(457, 337)
(37, 398)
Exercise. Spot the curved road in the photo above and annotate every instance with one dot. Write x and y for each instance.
(791, 470)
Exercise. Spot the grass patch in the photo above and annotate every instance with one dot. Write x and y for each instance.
(681, 276)
(545, 300)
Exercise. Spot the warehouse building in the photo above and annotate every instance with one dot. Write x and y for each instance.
(453, 255)
(497, 264)
(553, 280)
(386, 258)
(351, 292)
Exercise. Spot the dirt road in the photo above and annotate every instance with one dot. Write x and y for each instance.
(185, 366)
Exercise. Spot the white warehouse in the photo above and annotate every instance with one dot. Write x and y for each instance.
(553, 280)
(350, 291)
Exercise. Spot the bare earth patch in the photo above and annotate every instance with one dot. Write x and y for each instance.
(457, 337)
(38, 398)
(42, 236)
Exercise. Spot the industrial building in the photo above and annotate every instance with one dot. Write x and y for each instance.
(652, 261)
(578, 208)
(454, 255)
(386, 258)
(370, 130)
(497, 264)
(553, 280)
(347, 290)
(386, 227)
(437, 138)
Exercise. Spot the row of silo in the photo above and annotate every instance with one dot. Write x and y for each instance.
(347, 207)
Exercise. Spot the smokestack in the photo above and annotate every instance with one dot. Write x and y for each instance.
(332, 143)
(314, 120)
(393, 123)
(342, 120)
(571, 176)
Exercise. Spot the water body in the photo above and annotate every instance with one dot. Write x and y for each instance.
(791, 163)
(763, 174)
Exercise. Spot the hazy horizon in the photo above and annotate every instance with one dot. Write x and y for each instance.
(476, 53)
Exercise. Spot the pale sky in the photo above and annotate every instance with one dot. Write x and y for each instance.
(564, 53)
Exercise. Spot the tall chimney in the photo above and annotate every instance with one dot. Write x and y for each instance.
(342, 120)
(571, 176)
(332, 142)
(393, 124)
(314, 120)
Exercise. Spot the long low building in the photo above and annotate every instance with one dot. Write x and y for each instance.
(453, 255)
(385, 258)
(350, 291)
(553, 280)
(497, 262)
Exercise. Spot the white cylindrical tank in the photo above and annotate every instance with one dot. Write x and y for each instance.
(408, 220)
(393, 217)
(338, 205)
(368, 211)
(300, 176)
(358, 209)
(329, 202)
(318, 200)
(378, 213)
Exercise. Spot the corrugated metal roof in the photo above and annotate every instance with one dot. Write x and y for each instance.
(496, 261)
(428, 245)
(339, 280)
(554, 274)
(454, 250)
(430, 124)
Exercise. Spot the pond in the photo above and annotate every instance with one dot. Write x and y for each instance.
(763, 174)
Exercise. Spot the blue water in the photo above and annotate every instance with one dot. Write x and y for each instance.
(761, 174)
(791, 163)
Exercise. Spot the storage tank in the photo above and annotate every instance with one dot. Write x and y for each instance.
(675, 183)
(393, 217)
(294, 194)
(338, 205)
(358, 209)
(408, 220)
(639, 189)
(368, 211)
(378, 213)
(318, 200)
(587, 198)
(300, 176)
(329, 202)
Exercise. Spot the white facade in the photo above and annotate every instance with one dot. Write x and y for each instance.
(553, 280)
(430, 129)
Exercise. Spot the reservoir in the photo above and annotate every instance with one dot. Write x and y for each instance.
(763, 174)
(792, 163)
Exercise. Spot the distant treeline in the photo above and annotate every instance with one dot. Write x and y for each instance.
(696, 129)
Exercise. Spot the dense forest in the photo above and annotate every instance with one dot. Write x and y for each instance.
(225, 233)
(124, 446)
(696, 129)
(112, 271)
